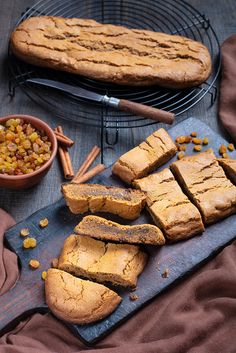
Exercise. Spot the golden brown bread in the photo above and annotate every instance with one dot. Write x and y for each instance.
(169, 206)
(111, 53)
(76, 300)
(205, 182)
(229, 166)
(155, 151)
(101, 228)
(119, 264)
(81, 198)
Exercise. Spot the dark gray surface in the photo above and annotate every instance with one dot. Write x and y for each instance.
(22, 203)
(179, 258)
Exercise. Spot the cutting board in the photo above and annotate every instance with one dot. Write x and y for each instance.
(27, 296)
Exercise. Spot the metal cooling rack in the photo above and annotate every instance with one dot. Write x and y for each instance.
(169, 16)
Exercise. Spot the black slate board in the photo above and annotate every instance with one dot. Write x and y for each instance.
(180, 258)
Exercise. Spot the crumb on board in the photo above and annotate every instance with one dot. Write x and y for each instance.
(133, 297)
(180, 155)
(166, 273)
(24, 232)
(44, 275)
(225, 155)
(29, 243)
(43, 223)
(34, 264)
(54, 262)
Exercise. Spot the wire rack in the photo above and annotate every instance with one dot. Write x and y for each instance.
(169, 16)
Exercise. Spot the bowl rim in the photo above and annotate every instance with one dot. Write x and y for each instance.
(51, 136)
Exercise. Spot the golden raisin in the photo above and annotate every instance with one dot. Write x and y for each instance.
(180, 155)
(29, 243)
(197, 141)
(197, 148)
(34, 264)
(188, 139)
(230, 147)
(43, 223)
(182, 148)
(222, 149)
(193, 134)
(225, 155)
(44, 275)
(205, 141)
(180, 139)
(24, 232)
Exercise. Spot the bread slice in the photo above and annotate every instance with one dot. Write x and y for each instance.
(169, 207)
(101, 228)
(76, 300)
(81, 198)
(229, 166)
(119, 264)
(134, 57)
(155, 151)
(205, 182)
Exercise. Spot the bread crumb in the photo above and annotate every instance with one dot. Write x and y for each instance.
(24, 232)
(165, 274)
(34, 264)
(133, 297)
(225, 155)
(54, 262)
(180, 155)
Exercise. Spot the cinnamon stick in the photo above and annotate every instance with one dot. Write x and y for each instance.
(63, 139)
(65, 159)
(89, 175)
(88, 161)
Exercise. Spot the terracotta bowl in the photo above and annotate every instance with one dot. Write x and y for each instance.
(28, 180)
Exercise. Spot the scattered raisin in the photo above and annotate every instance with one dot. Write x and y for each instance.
(182, 148)
(222, 149)
(230, 147)
(197, 148)
(193, 134)
(196, 141)
(54, 263)
(29, 243)
(205, 141)
(180, 139)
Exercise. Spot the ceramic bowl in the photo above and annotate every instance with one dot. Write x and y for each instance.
(28, 180)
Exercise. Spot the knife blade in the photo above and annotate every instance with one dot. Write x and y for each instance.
(120, 104)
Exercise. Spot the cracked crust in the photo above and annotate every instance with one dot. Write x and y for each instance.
(229, 166)
(101, 228)
(205, 182)
(155, 151)
(119, 264)
(111, 53)
(169, 207)
(78, 301)
(81, 198)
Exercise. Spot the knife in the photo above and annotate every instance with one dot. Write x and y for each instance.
(120, 104)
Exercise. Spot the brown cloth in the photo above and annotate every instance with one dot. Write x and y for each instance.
(227, 101)
(197, 315)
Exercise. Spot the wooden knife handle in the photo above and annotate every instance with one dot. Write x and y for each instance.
(146, 111)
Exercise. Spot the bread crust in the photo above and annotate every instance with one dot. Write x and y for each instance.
(101, 228)
(205, 182)
(126, 203)
(116, 54)
(155, 151)
(119, 264)
(229, 166)
(169, 207)
(76, 300)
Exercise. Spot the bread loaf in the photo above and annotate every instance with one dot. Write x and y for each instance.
(116, 54)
